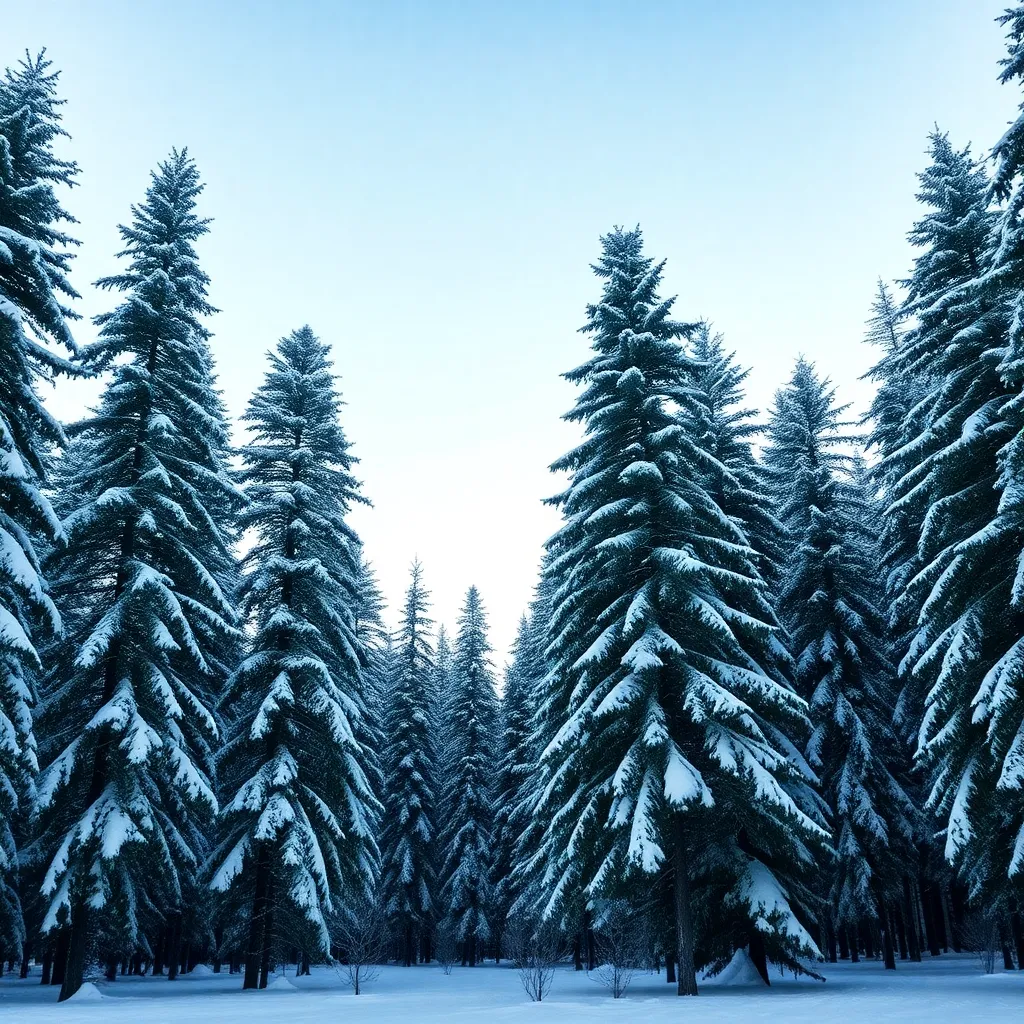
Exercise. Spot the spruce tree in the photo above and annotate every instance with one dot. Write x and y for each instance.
(951, 486)
(660, 628)
(515, 770)
(726, 429)
(34, 317)
(408, 865)
(128, 731)
(830, 608)
(468, 838)
(974, 615)
(298, 818)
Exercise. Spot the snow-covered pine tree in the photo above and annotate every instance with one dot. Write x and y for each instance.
(127, 735)
(829, 606)
(726, 429)
(442, 731)
(972, 639)
(954, 478)
(466, 888)
(408, 867)
(929, 389)
(515, 770)
(375, 641)
(658, 617)
(33, 317)
(298, 817)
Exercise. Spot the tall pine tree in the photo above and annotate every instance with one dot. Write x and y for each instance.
(34, 317)
(128, 730)
(299, 814)
(468, 838)
(408, 854)
(660, 627)
(830, 608)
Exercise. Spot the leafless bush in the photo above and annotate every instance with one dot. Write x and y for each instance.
(360, 936)
(446, 947)
(535, 948)
(623, 943)
(980, 934)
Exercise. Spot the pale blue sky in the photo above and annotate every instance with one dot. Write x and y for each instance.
(425, 184)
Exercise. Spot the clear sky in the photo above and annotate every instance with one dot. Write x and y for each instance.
(425, 183)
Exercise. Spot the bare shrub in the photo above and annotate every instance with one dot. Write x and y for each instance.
(623, 940)
(446, 947)
(360, 935)
(980, 934)
(535, 948)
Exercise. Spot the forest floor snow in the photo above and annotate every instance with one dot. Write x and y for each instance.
(947, 988)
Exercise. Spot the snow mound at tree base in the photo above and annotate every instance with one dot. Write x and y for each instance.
(740, 970)
(200, 971)
(281, 984)
(88, 993)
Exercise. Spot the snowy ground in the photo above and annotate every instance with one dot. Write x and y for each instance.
(948, 988)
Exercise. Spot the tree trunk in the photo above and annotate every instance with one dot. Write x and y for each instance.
(910, 917)
(77, 949)
(844, 944)
(577, 953)
(47, 964)
(174, 945)
(830, 942)
(885, 927)
(257, 921)
(26, 956)
(1017, 931)
(670, 968)
(268, 937)
(854, 940)
(931, 924)
(687, 983)
(947, 927)
(758, 954)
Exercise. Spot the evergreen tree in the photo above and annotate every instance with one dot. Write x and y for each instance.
(128, 733)
(442, 732)
(829, 607)
(660, 629)
(973, 618)
(33, 316)
(299, 814)
(934, 473)
(468, 837)
(408, 871)
(725, 431)
(514, 773)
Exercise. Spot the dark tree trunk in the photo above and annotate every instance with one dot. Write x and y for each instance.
(591, 949)
(670, 968)
(830, 942)
(687, 983)
(931, 925)
(408, 946)
(268, 938)
(577, 953)
(869, 944)
(77, 950)
(47, 964)
(173, 945)
(257, 920)
(885, 929)
(26, 956)
(854, 940)
(910, 919)
(758, 954)
(1004, 941)
(60, 957)
(1017, 931)
(844, 944)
